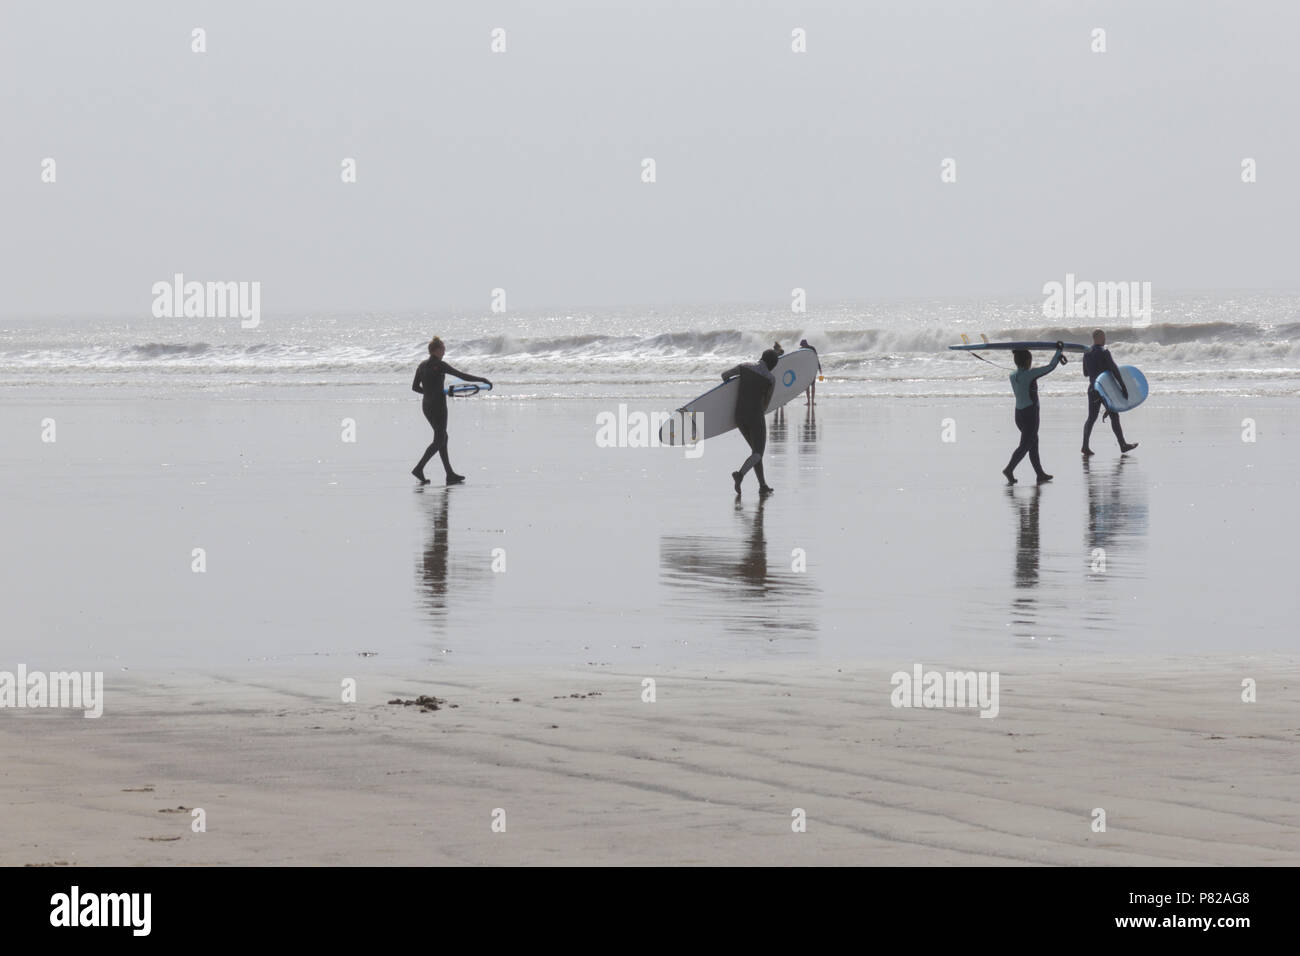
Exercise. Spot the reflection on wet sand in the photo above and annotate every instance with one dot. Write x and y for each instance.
(777, 432)
(439, 576)
(1116, 536)
(1024, 604)
(759, 596)
(1112, 556)
(808, 431)
(780, 430)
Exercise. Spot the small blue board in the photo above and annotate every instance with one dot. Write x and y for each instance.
(1134, 381)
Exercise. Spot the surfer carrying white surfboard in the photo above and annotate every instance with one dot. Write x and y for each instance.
(1024, 382)
(428, 382)
(1095, 361)
(757, 383)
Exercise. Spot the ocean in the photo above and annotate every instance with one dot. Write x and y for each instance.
(1220, 345)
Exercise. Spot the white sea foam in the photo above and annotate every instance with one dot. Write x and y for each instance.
(1195, 345)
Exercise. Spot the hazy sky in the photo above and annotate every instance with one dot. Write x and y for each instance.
(522, 170)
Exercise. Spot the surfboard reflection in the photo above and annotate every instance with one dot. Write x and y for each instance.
(742, 590)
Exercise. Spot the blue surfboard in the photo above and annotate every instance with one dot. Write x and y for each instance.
(1114, 399)
(466, 389)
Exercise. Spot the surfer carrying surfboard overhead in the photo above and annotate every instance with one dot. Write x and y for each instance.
(1095, 361)
(757, 383)
(428, 382)
(1024, 382)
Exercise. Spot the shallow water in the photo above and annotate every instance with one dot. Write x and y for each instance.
(316, 548)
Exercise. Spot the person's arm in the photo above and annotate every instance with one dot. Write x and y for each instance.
(1044, 369)
(418, 385)
(730, 373)
(1114, 373)
(462, 376)
(767, 393)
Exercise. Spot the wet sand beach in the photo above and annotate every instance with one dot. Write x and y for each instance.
(587, 772)
(1121, 681)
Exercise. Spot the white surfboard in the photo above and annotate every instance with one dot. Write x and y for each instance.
(714, 412)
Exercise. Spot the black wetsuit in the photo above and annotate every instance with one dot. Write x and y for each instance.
(1095, 361)
(756, 386)
(429, 381)
(1024, 382)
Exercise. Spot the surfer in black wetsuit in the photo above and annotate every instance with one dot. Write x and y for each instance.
(429, 383)
(1095, 361)
(1024, 383)
(779, 417)
(757, 383)
(811, 391)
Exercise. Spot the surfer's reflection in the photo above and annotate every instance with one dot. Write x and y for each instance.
(433, 571)
(769, 597)
(808, 432)
(1024, 605)
(1116, 533)
(440, 576)
(779, 431)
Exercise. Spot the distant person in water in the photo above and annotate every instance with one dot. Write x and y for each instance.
(757, 383)
(779, 417)
(429, 383)
(1095, 361)
(810, 393)
(1024, 382)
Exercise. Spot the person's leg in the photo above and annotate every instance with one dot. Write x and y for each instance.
(432, 450)
(760, 444)
(1033, 446)
(755, 433)
(440, 439)
(1119, 432)
(746, 432)
(1094, 409)
(1022, 422)
(1033, 455)
(418, 470)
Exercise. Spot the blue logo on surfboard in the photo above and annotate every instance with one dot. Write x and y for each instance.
(788, 377)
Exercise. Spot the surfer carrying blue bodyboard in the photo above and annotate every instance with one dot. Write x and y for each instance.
(757, 383)
(1095, 361)
(429, 379)
(1024, 383)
